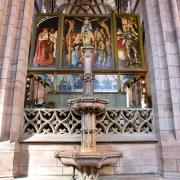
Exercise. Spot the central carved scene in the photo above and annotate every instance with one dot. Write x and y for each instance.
(84, 31)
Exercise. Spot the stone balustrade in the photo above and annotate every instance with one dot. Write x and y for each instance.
(65, 121)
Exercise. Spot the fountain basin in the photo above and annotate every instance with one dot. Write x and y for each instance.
(88, 104)
(88, 159)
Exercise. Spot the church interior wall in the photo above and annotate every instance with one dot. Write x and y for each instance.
(162, 55)
(37, 159)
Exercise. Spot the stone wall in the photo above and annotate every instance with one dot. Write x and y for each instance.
(162, 28)
(15, 33)
(6, 159)
(37, 159)
(162, 22)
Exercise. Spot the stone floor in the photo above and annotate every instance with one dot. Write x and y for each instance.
(125, 177)
(145, 177)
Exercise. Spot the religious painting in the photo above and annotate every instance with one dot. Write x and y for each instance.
(74, 83)
(131, 86)
(69, 83)
(87, 31)
(44, 42)
(47, 80)
(105, 83)
(128, 39)
(37, 89)
(124, 81)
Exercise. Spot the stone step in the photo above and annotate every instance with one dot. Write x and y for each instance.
(131, 177)
(123, 177)
(135, 177)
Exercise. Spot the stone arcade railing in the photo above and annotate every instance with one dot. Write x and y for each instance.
(64, 121)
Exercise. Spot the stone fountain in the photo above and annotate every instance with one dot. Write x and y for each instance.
(88, 160)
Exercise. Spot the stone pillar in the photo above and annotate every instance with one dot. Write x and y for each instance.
(163, 59)
(176, 21)
(88, 138)
(15, 32)
(88, 77)
(172, 57)
(3, 21)
(21, 69)
(7, 57)
(175, 6)
(15, 35)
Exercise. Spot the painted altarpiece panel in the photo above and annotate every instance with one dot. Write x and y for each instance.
(128, 42)
(80, 29)
(69, 83)
(131, 86)
(106, 83)
(44, 46)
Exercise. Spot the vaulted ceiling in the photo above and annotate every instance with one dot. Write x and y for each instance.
(89, 6)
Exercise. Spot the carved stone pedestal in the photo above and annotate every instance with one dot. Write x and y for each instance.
(89, 174)
(88, 161)
(88, 108)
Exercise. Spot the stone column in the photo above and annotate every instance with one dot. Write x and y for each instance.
(172, 57)
(15, 32)
(163, 59)
(21, 69)
(14, 57)
(88, 77)
(175, 6)
(88, 138)
(88, 105)
(3, 21)
(7, 77)
(176, 37)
